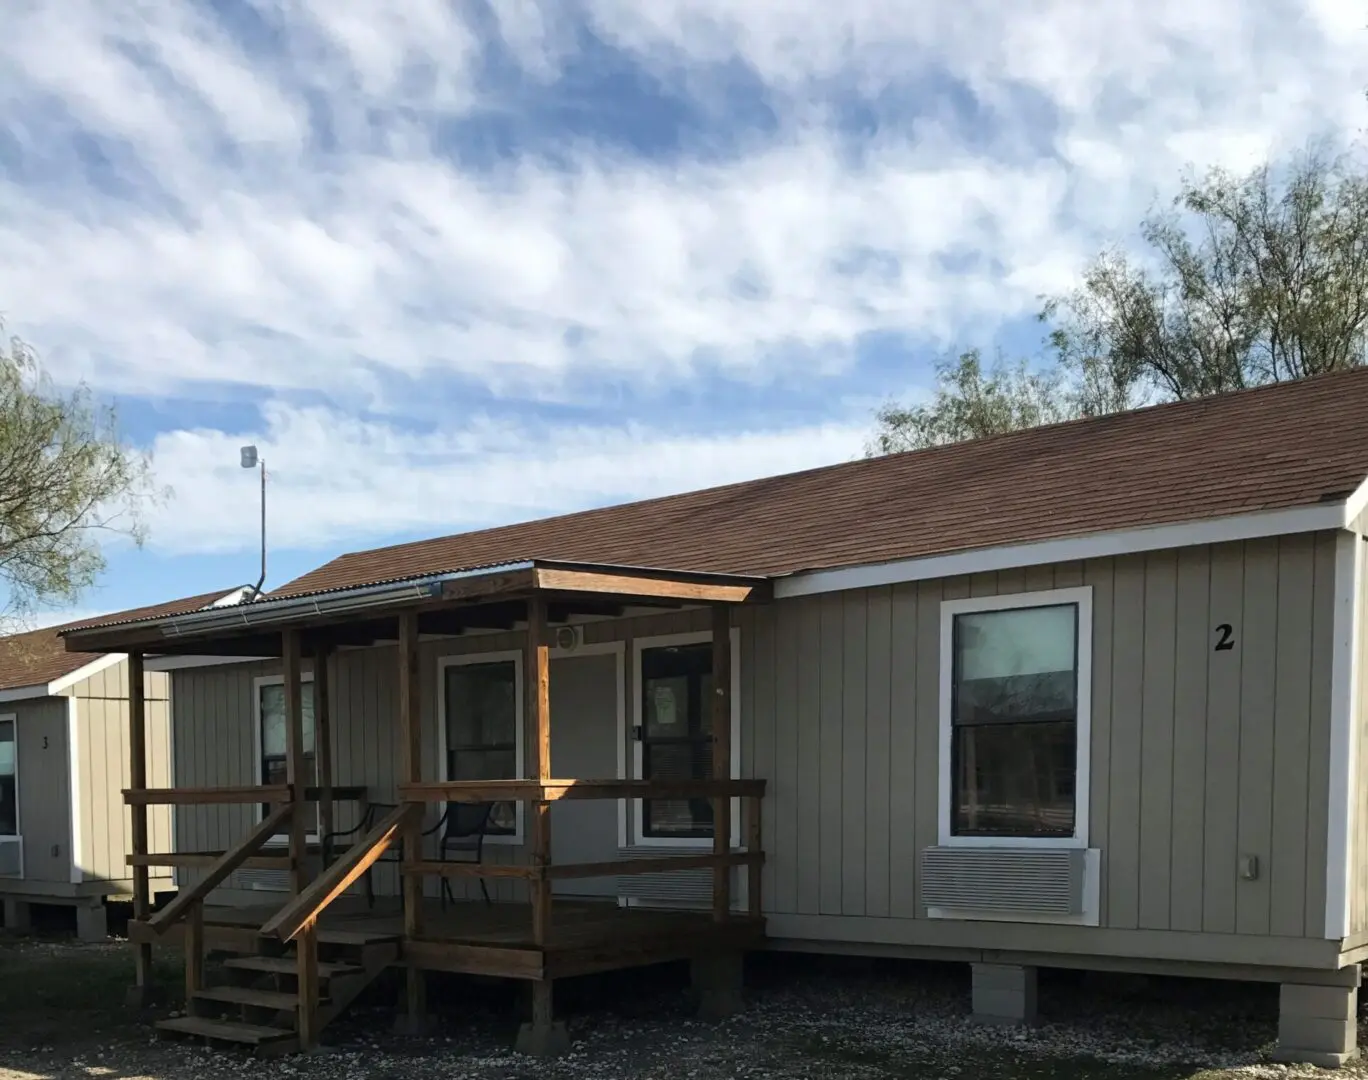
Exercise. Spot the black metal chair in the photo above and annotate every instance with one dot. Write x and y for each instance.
(371, 813)
(463, 827)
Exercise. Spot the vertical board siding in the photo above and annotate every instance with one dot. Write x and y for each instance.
(1127, 763)
(878, 815)
(1192, 648)
(43, 766)
(1155, 907)
(1258, 642)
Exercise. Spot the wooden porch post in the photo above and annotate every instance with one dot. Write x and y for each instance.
(139, 993)
(721, 757)
(323, 747)
(295, 770)
(414, 1018)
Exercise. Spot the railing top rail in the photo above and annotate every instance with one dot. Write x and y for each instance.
(554, 790)
(247, 793)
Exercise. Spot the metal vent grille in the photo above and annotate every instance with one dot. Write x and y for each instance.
(12, 858)
(262, 880)
(683, 886)
(1006, 880)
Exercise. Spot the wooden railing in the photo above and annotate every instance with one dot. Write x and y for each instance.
(542, 792)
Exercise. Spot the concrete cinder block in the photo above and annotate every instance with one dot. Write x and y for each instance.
(1317, 1025)
(1004, 993)
(17, 915)
(91, 923)
(718, 980)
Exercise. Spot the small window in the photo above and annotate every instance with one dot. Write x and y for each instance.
(9, 778)
(482, 730)
(1014, 722)
(274, 738)
(676, 736)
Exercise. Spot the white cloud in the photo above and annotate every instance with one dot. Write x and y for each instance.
(335, 480)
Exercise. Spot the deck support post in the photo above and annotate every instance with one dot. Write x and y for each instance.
(717, 982)
(323, 762)
(296, 775)
(721, 755)
(543, 1037)
(306, 979)
(140, 993)
(538, 674)
(413, 1020)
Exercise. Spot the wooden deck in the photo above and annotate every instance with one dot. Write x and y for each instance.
(496, 940)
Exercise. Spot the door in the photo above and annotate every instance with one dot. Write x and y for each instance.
(584, 741)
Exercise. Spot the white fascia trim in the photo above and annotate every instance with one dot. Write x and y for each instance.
(1073, 549)
(519, 766)
(1344, 680)
(24, 693)
(639, 645)
(1082, 596)
(74, 785)
(178, 663)
(66, 682)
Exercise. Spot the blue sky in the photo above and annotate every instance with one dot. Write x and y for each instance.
(457, 264)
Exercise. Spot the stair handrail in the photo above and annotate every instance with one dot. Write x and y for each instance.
(187, 899)
(303, 911)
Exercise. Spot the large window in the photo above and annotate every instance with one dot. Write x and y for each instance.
(1014, 715)
(676, 736)
(482, 718)
(9, 779)
(274, 740)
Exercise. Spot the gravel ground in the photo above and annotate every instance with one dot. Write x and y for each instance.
(60, 1017)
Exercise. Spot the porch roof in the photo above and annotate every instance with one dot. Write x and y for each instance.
(477, 597)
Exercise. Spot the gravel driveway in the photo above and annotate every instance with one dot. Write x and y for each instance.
(60, 1017)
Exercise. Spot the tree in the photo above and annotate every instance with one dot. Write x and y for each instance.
(66, 478)
(1247, 280)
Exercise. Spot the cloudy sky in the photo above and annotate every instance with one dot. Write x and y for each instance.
(459, 263)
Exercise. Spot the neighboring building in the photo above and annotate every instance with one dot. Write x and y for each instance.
(63, 767)
(1087, 696)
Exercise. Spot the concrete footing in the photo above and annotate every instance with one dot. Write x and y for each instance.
(91, 922)
(1004, 994)
(717, 982)
(1317, 1025)
(543, 1040)
(16, 915)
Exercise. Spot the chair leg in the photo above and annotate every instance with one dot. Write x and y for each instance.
(370, 891)
(484, 888)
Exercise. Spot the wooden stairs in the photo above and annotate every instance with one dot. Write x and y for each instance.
(257, 1003)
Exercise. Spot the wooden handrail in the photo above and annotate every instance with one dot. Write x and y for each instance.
(208, 796)
(473, 791)
(231, 860)
(303, 911)
(664, 864)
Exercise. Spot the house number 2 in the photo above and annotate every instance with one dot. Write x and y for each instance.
(1225, 637)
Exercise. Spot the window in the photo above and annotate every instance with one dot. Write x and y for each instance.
(483, 712)
(9, 779)
(274, 741)
(676, 736)
(1017, 715)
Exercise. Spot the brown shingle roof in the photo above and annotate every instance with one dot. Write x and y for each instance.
(1293, 444)
(39, 656)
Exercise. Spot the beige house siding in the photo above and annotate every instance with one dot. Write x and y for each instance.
(44, 793)
(1198, 757)
(103, 821)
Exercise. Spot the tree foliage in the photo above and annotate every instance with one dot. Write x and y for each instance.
(1245, 280)
(66, 478)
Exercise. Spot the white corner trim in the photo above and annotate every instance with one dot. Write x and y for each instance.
(67, 681)
(1073, 549)
(178, 663)
(1081, 596)
(639, 645)
(1092, 902)
(1344, 680)
(1355, 505)
(74, 786)
(519, 704)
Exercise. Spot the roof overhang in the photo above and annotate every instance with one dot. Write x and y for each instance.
(444, 600)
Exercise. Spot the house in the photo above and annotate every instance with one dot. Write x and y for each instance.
(63, 765)
(1088, 696)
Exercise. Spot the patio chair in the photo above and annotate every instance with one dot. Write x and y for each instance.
(372, 813)
(463, 827)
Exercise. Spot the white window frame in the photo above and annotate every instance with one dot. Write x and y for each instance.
(639, 646)
(315, 836)
(18, 838)
(1081, 596)
(519, 767)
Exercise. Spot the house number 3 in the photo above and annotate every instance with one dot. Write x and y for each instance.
(1225, 637)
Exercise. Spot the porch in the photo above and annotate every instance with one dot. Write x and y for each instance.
(543, 936)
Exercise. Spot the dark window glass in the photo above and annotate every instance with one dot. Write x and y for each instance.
(482, 730)
(1014, 716)
(9, 795)
(274, 741)
(676, 736)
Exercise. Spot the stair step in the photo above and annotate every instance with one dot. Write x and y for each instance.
(225, 1030)
(246, 995)
(354, 937)
(285, 965)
